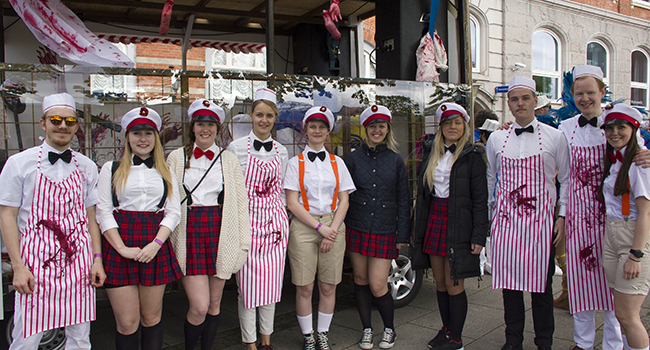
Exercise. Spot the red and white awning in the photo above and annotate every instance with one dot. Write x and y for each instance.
(228, 46)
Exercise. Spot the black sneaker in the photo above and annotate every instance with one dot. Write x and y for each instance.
(388, 339)
(439, 338)
(322, 343)
(308, 342)
(450, 344)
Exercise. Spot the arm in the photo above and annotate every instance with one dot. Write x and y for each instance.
(491, 171)
(23, 278)
(341, 211)
(642, 158)
(563, 167)
(479, 195)
(97, 274)
(303, 215)
(632, 269)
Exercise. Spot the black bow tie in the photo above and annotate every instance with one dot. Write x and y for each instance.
(451, 148)
(582, 121)
(312, 155)
(529, 129)
(268, 146)
(65, 156)
(148, 162)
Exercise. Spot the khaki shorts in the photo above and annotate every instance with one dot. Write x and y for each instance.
(305, 256)
(619, 236)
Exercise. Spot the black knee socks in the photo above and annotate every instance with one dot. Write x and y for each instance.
(126, 342)
(152, 337)
(192, 334)
(458, 303)
(386, 307)
(363, 297)
(209, 331)
(443, 307)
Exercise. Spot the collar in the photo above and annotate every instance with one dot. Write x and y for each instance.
(214, 148)
(380, 147)
(308, 149)
(254, 137)
(534, 123)
(47, 148)
(622, 150)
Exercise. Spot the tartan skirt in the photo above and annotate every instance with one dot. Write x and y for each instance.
(137, 229)
(202, 240)
(376, 246)
(435, 237)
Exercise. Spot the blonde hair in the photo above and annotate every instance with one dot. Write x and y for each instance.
(122, 172)
(438, 150)
(389, 140)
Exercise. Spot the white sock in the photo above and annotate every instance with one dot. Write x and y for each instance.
(324, 321)
(305, 323)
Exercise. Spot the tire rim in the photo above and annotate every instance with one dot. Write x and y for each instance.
(401, 278)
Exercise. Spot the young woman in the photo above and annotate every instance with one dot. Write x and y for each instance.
(377, 224)
(626, 191)
(317, 185)
(138, 208)
(214, 209)
(451, 220)
(264, 161)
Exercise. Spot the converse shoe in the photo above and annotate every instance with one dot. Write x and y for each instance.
(439, 338)
(322, 342)
(308, 342)
(450, 344)
(366, 339)
(388, 340)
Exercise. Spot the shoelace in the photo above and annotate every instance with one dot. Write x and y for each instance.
(389, 336)
(367, 336)
(309, 343)
(323, 341)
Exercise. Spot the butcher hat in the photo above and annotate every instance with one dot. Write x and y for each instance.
(266, 94)
(62, 100)
(587, 71)
(206, 110)
(321, 113)
(375, 113)
(141, 118)
(522, 82)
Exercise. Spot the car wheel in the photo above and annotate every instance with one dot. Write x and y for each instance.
(403, 282)
(54, 339)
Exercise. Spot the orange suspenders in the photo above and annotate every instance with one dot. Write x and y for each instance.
(301, 178)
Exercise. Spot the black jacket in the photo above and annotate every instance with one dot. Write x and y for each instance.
(380, 205)
(467, 210)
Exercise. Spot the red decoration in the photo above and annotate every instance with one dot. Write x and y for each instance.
(323, 109)
(443, 108)
(165, 17)
(374, 108)
(608, 107)
(144, 111)
(206, 103)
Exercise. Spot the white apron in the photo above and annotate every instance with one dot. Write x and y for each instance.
(522, 227)
(260, 279)
(63, 294)
(585, 229)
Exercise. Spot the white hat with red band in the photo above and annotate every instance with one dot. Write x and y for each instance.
(619, 113)
(375, 113)
(266, 94)
(206, 110)
(587, 71)
(141, 118)
(321, 113)
(521, 82)
(450, 110)
(62, 100)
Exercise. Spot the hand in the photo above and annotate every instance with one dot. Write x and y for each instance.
(476, 249)
(328, 233)
(402, 245)
(631, 269)
(23, 280)
(129, 252)
(335, 11)
(505, 126)
(148, 253)
(325, 245)
(558, 231)
(330, 26)
(97, 274)
(642, 158)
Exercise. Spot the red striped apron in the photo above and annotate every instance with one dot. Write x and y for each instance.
(63, 294)
(522, 227)
(260, 279)
(585, 229)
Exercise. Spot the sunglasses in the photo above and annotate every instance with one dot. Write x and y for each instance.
(57, 120)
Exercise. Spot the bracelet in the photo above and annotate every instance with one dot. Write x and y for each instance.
(319, 226)
(97, 255)
(635, 260)
(158, 241)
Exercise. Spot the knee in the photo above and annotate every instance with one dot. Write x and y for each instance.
(624, 318)
(378, 288)
(305, 291)
(149, 320)
(199, 310)
(127, 325)
(361, 279)
(327, 290)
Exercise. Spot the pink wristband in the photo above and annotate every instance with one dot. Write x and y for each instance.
(158, 241)
(319, 226)
(97, 255)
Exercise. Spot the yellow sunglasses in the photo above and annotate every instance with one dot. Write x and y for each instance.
(57, 120)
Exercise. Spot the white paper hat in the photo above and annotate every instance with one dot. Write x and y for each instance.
(490, 125)
(542, 101)
(587, 71)
(522, 82)
(266, 94)
(62, 100)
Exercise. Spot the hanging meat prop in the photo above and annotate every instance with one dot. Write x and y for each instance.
(166, 17)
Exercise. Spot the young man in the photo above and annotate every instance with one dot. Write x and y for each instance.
(47, 218)
(524, 158)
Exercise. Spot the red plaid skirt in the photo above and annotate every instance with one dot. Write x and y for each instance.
(202, 240)
(138, 229)
(376, 246)
(435, 238)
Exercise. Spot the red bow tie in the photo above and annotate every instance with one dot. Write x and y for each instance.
(614, 157)
(199, 152)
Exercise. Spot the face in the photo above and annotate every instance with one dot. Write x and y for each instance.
(452, 129)
(587, 96)
(59, 136)
(205, 133)
(142, 142)
(263, 117)
(317, 131)
(618, 135)
(522, 103)
(543, 110)
(376, 133)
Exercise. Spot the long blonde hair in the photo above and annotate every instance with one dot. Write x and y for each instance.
(438, 150)
(389, 140)
(122, 172)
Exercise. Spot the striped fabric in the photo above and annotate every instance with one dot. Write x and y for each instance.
(228, 46)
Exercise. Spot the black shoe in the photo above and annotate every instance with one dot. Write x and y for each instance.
(508, 346)
(449, 344)
(439, 338)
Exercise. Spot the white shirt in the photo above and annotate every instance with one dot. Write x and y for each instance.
(207, 194)
(441, 175)
(554, 151)
(319, 181)
(639, 187)
(19, 176)
(142, 192)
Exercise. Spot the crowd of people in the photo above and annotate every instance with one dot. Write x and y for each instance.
(205, 213)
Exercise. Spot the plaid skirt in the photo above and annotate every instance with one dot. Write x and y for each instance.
(202, 240)
(137, 229)
(435, 238)
(376, 246)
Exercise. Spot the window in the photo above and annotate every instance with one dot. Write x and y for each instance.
(238, 62)
(597, 56)
(546, 63)
(475, 41)
(115, 87)
(639, 83)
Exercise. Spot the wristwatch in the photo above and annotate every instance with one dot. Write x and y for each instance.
(637, 253)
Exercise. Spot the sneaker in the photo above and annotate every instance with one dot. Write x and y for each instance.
(308, 342)
(322, 342)
(439, 338)
(366, 339)
(450, 344)
(388, 340)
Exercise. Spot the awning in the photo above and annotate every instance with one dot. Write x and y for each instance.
(228, 46)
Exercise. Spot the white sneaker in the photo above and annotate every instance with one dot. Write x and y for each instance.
(366, 339)
(388, 340)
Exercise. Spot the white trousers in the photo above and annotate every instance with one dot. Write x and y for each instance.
(584, 330)
(78, 335)
(247, 322)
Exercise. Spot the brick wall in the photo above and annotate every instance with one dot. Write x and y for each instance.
(624, 7)
(369, 29)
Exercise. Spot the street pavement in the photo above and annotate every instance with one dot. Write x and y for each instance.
(415, 324)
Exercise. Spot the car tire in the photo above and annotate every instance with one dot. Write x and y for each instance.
(54, 339)
(403, 282)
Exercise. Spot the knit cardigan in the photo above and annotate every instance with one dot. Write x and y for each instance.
(235, 235)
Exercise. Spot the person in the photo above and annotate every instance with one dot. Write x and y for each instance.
(451, 219)
(263, 161)
(480, 119)
(626, 192)
(543, 105)
(377, 223)
(525, 158)
(486, 129)
(139, 206)
(317, 187)
(213, 236)
(54, 244)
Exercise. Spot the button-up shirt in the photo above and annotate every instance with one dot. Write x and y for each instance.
(207, 194)
(639, 187)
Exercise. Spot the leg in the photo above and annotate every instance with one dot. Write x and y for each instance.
(211, 323)
(584, 329)
(125, 302)
(151, 301)
(514, 316)
(457, 302)
(196, 289)
(267, 314)
(19, 341)
(247, 324)
(362, 293)
(543, 319)
(77, 336)
(438, 269)
(326, 303)
(628, 309)
(563, 300)
(378, 270)
(303, 307)
(612, 339)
